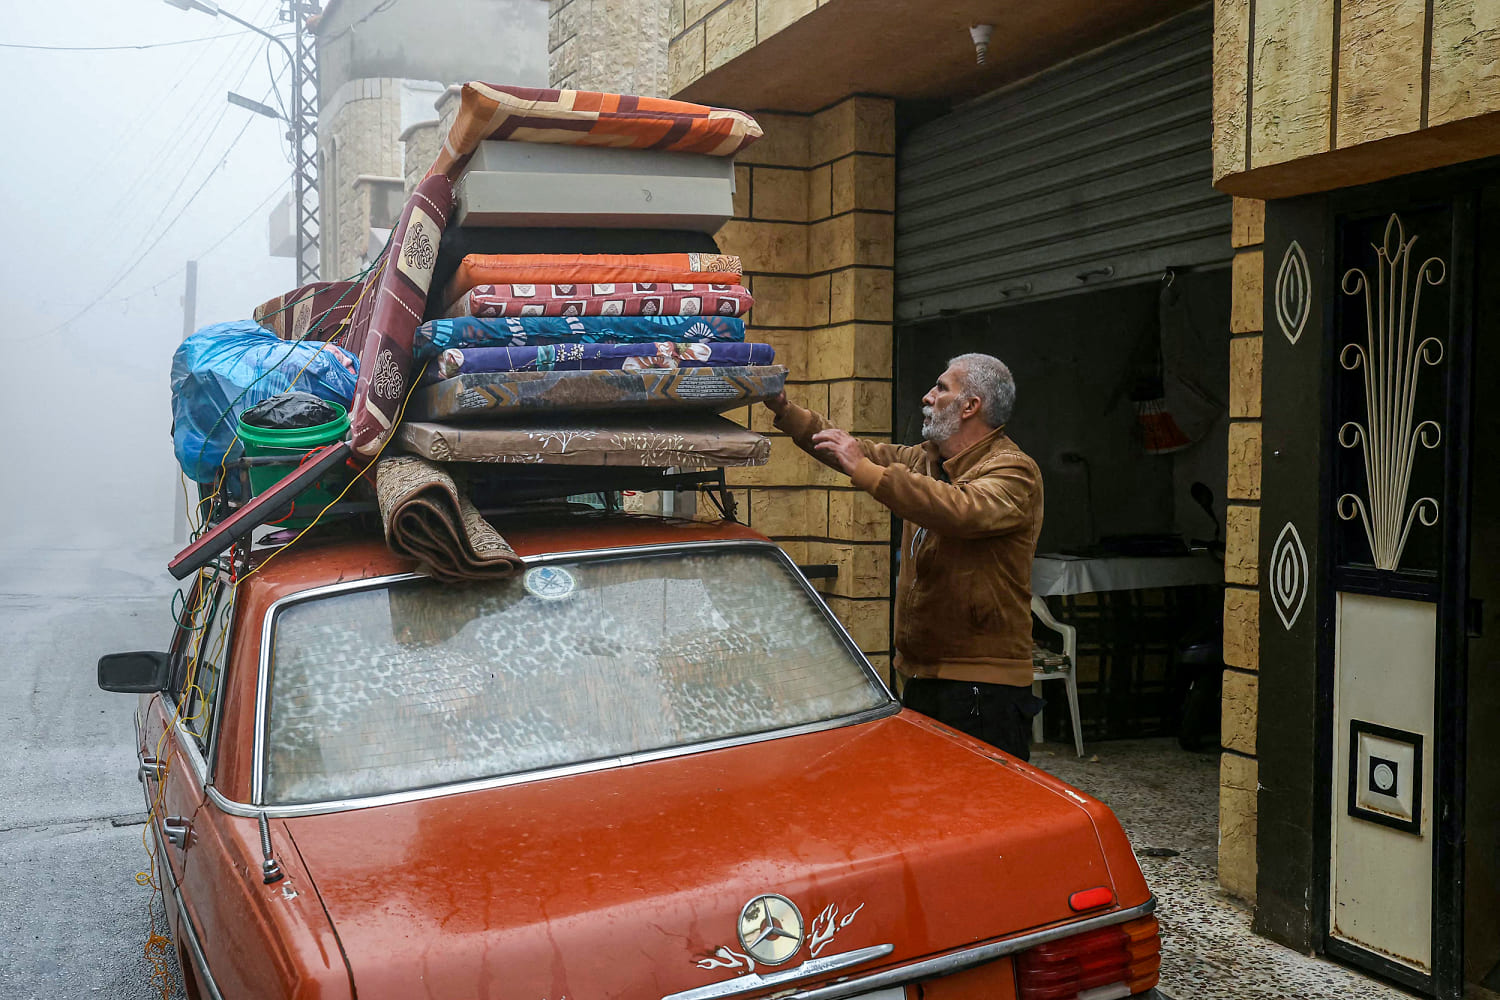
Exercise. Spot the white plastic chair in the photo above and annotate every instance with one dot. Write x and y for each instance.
(1052, 671)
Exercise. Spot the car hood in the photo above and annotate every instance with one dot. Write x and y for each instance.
(631, 881)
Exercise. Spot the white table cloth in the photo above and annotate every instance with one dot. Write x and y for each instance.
(1054, 574)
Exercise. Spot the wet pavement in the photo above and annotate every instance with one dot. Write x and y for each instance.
(1168, 802)
(72, 813)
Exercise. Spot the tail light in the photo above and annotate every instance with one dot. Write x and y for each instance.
(1104, 964)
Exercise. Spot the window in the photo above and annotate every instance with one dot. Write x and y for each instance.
(210, 652)
(184, 633)
(417, 684)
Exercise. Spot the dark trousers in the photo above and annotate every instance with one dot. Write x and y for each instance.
(998, 714)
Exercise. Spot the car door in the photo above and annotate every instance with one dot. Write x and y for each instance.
(209, 873)
(175, 775)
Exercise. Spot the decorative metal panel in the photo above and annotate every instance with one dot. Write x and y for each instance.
(1391, 427)
(1096, 172)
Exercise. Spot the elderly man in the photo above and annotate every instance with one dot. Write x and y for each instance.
(972, 506)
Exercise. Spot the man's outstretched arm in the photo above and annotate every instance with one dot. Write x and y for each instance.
(803, 426)
(994, 504)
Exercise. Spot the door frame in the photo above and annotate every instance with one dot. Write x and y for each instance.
(1458, 188)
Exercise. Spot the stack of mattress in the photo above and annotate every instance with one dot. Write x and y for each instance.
(593, 359)
(537, 350)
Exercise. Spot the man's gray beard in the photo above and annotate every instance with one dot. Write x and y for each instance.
(938, 427)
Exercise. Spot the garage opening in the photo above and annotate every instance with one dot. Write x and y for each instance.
(1067, 225)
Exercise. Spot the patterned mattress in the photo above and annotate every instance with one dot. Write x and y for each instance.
(697, 442)
(645, 298)
(589, 269)
(311, 312)
(575, 357)
(503, 394)
(519, 331)
(586, 118)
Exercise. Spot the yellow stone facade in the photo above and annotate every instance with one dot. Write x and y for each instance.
(815, 229)
(1311, 95)
(706, 34)
(1237, 788)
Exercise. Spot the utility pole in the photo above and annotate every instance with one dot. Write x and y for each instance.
(303, 109)
(190, 301)
(189, 323)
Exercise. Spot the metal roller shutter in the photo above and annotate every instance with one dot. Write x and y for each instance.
(1096, 172)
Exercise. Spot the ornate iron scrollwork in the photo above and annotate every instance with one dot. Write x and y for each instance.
(1391, 360)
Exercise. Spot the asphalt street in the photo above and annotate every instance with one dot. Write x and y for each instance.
(71, 812)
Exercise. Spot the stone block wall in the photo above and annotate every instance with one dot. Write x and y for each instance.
(706, 34)
(1238, 768)
(358, 135)
(1311, 95)
(613, 46)
(815, 228)
(420, 145)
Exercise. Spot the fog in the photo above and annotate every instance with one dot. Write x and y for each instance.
(103, 152)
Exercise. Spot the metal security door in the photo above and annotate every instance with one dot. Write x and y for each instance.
(1396, 532)
(1094, 173)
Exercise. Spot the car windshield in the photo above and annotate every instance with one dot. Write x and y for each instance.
(415, 684)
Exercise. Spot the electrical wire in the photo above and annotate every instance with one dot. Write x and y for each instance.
(198, 131)
(377, 9)
(391, 436)
(133, 130)
(364, 288)
(275, 91)
(139, 257)
(187, 131)
(117, 48)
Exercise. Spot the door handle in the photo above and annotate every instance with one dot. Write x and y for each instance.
(176, 829)
(150, 768)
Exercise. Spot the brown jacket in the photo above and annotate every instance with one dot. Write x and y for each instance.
(963, 596)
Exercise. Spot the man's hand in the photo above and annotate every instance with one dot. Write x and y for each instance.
(839, 446)
(777, 403)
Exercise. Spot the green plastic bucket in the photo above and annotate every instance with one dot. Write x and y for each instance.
(293, 444)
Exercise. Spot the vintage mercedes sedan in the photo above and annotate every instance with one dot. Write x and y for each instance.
(650, 766)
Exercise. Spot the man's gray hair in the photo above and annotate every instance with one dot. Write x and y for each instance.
(987, 378)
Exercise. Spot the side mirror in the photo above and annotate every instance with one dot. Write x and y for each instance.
(133, 673)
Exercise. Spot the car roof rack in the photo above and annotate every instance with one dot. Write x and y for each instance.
(493, 488)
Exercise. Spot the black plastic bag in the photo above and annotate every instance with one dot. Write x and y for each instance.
(290, 411)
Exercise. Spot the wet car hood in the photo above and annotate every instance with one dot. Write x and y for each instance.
(630, 881)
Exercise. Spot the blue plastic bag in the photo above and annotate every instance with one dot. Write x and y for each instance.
(224, 369)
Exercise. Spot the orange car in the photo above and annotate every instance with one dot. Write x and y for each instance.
(650, 766)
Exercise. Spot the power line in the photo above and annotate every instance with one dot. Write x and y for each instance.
(189, 134)
(378, 9)
(177, 133)
(116, 48)
(200, 255)
(140, 257)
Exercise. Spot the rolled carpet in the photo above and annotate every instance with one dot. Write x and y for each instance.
(428, 518)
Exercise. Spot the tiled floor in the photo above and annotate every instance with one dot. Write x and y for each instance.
(1167, 800)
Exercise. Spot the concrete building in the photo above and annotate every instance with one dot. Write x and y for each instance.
(1122, 198)
(382, 69)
